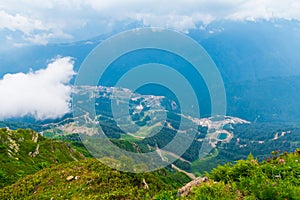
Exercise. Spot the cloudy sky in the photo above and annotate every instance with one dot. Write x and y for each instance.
(46, 93)
(34, 22)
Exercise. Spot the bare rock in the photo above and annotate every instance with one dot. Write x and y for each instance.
(145, 185)
(69, 178)
(35, 137)
(184, 191)
(35, 153)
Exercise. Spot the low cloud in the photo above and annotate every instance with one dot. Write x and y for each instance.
(43, 94)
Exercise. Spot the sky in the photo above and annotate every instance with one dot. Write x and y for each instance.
(24, 22)
(46, 93)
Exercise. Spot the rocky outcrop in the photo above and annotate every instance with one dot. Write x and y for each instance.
(184, 191)
(35, 137)
(13, 146)
(35, 153)
(145, 185)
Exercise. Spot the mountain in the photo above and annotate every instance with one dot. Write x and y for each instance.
(24, 152)
(253, 50)
(216, 140)
(252, 57)
(267, 100)
(151, 124)
(241, 50)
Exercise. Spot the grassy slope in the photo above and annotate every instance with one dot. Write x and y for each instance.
(96, 181)
(276, 178)
(15, 161)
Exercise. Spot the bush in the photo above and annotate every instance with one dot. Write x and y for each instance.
(212, 190)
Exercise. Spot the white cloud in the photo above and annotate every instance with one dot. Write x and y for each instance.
(19, 22)
(88, 18)
(266, 9)
(177, 22)
(42, 94)
(185, 14)
(34, 30)
(43, 38)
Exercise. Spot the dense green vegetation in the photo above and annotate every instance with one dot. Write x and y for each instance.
(255, 138)
(276, 178)
(75, 141)
(24, 152)
(92, 180)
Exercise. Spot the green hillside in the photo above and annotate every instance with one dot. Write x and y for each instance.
(24, 152)
(276, 178)
(92, 180)
(59, 172)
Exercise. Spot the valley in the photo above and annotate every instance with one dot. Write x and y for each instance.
(220, 139)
